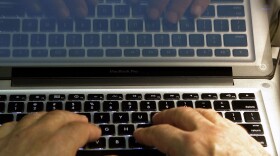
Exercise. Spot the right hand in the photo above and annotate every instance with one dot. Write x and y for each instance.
(196, 132)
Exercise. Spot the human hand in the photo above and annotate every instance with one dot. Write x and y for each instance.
(61, 8)
(55, 133)
(195, 132)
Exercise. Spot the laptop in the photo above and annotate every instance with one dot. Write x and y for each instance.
(119, 68)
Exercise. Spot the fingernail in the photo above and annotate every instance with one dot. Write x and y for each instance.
(172, 17)
(197, 11)
(153, 13)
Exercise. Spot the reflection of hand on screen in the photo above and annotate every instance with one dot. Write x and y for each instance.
(79, 8)
(176, 8)
(61, 8)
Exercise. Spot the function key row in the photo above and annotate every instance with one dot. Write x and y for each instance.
(153, 96)
(115, 106)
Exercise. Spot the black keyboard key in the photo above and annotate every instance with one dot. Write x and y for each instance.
(104, 11)
(171, 96)
(213, 40)
(209, 96)
(238, 25)
(3, 97)
(76, 97)
(191, 96)
(13, 10)
(221, 25)
(179, 40)
(152, 96)
(126, 129)
(118, 25)
(233, 116)
(5, 40)
(209, 12)
(74, 106)
(228, 96)
(110, 106)
(114, 97)
(101, 117)
(139, 117)
(95, 97)
(253, 128)
(56, 97)
(56, 40)
(100, 143)
(9, 25)
(252, 117)
(90, 106)
(235, 40)
(54, 106)
(152, 25)
(74, 40)
(20, 40)
(38, 97)
(4, 118)
(169, 27)
(77, 53)
(100, 25)
(230, 11)
(135, 25)
(244, 105)
(187, 25)
(2, 106)
(83, 25)
(122, 10)
(120, 117)
(148, 106)
(185, 104)
(20, 116)
(48, 25)
(30, 25)
(221, 105)
(66, 25)
(196, 40)
(133, 96)
(144, 40)
(162, 105)
(35, 106)
(117, 142)
(138, 10)
(162, 40)
(203, 104)
(38, 40)
(18, 97)
(109, 40)
(246, 96)
(91, 40)
(129, 106)
(261, 140)
(127, 40)
(15, 107)
(150, 52)
(108, 129)
(204, 25)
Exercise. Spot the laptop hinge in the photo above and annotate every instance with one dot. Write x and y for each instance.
(122, 76)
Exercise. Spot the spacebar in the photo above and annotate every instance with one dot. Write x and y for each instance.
(134, 152)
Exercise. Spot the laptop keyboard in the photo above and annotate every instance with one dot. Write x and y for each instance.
(119, 114)
(115, 31)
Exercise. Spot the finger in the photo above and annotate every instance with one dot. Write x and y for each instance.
(184, 118)
(211, 115)
(57, 119)
(165, 138)
(32, 5)
(28, 120)
(199, 6)
(7, 128)
(177, 9)
(77, 7)
(59, 7)
(75, 135)
(156, 7)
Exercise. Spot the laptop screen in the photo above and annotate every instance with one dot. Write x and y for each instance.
(131, 33)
